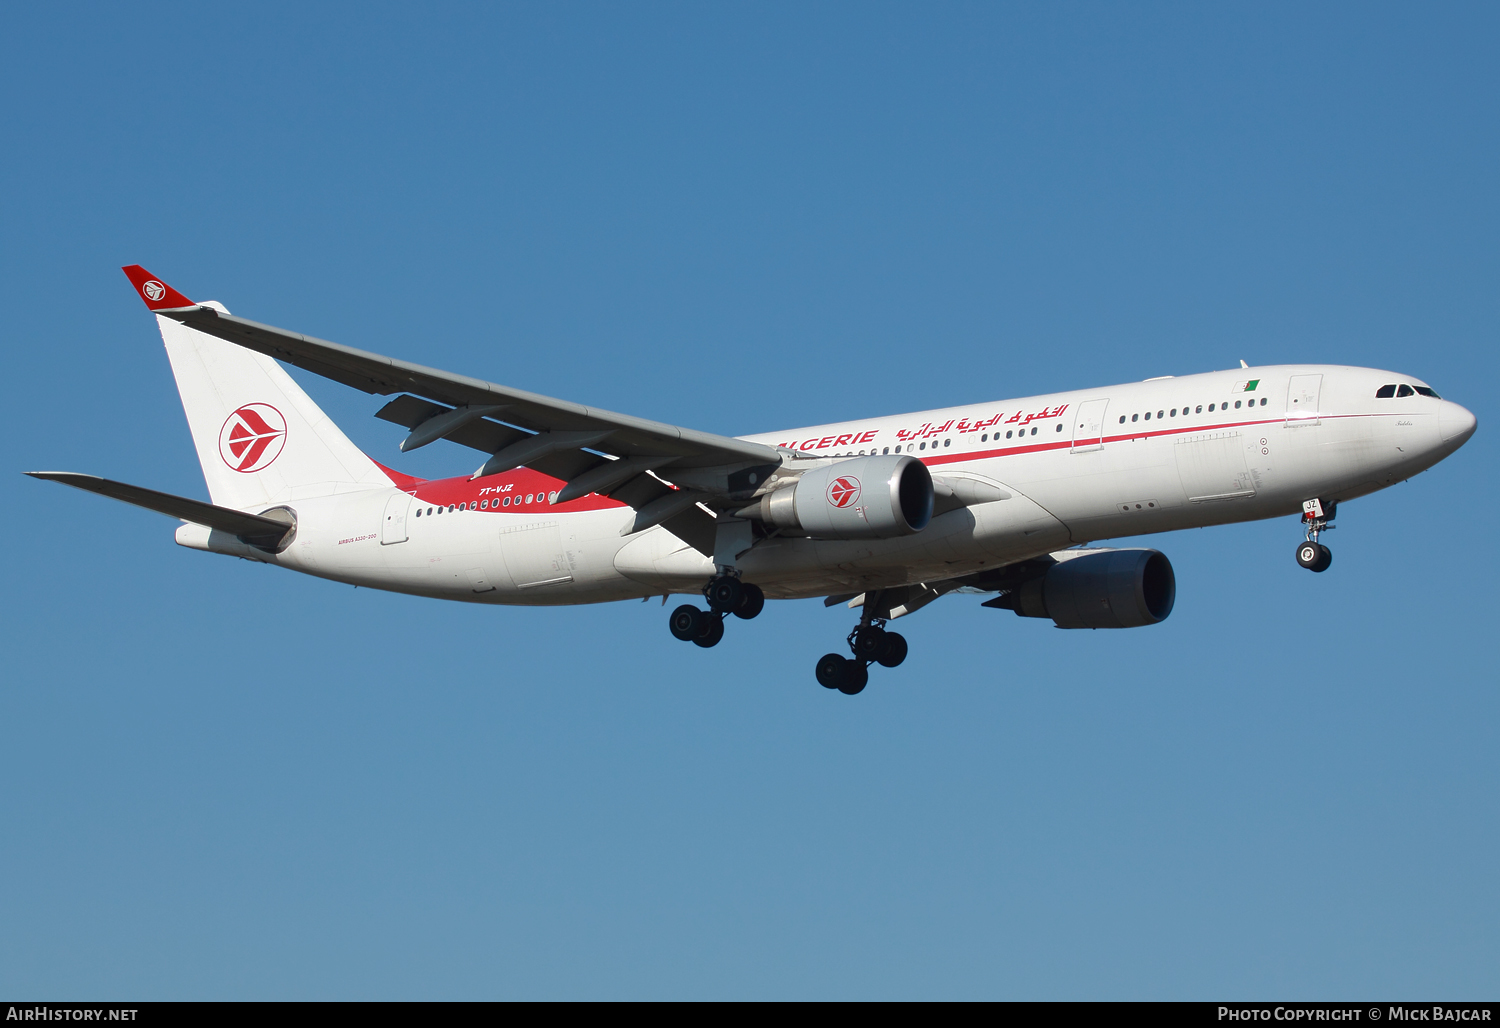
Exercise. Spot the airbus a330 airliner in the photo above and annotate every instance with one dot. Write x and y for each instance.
(577, 505)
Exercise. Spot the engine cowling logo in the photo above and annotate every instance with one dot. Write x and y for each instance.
(844, 492)
(252, 437)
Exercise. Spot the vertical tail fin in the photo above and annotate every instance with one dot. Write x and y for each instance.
(260, 439)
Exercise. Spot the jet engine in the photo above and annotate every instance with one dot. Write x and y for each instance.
(1098, 589)
(876, 497)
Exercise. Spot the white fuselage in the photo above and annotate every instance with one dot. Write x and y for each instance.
(1078, 466)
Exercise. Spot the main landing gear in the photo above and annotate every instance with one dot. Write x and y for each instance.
(871, 644)
(726, 595)
(1316, 515)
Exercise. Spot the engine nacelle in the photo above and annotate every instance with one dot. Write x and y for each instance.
(876, 497)
(1099, 589)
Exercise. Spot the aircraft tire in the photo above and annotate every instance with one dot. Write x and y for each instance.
(869, 643)
(685, 622)
(752, 601)
(830, 670)
(1325, 558)
(856, 677)
(724, 594)
(895, 650)
(1309, 553)
(710, 631)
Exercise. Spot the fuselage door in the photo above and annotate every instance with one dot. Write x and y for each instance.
(1302, 399)
(393, 526)
(1088, 426)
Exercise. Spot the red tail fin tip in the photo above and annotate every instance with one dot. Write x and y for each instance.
(158, 295)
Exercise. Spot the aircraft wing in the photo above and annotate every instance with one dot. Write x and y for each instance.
(516, 427)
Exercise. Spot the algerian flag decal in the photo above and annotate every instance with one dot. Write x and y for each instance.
(1245, 387)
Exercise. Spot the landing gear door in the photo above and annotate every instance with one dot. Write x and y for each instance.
(1088, 426)
(1302, 399)
(393, 525)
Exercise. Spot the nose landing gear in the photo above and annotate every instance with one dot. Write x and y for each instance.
(726, 595)
(1316, 515)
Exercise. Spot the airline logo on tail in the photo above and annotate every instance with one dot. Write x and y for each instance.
(252, 437)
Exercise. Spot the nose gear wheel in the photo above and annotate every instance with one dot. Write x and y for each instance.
(1314, 556)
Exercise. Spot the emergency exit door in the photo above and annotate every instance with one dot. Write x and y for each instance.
(393, 525)
(1302, 399)
(1088, 426)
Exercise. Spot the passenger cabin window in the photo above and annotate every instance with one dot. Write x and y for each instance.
(1425, 391)
(1405, 390)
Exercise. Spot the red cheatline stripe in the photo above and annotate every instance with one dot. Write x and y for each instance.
(1067, 444)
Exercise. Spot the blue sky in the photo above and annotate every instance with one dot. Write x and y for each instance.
(222, 780)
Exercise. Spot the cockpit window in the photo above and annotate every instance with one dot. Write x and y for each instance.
(1425, 391)
(1385, 392)
(1405, 390)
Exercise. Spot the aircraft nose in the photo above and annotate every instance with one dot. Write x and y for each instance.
(1456, 423)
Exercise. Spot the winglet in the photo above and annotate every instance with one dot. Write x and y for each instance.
(158, 295)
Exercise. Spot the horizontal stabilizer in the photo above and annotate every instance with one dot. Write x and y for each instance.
(252, 528)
